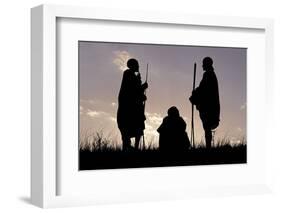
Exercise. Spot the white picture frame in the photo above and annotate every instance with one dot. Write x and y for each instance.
(44, 154)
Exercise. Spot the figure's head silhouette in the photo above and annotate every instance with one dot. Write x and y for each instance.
(173, 112)
(133, 64)
(208, 64)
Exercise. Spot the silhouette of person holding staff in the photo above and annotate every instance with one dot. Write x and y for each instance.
(173, 136)
(130, 113)
(206, 99)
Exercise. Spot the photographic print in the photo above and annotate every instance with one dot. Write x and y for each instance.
(155, 105)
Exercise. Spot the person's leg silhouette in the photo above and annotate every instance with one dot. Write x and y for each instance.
(126, 141)
(208, 137)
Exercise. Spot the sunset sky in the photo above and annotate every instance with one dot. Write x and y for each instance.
(101, 66)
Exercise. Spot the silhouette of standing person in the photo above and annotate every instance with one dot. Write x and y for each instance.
(206, 99)
(130, 113)
(173, 137)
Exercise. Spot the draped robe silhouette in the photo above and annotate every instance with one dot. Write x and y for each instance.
(130, 113)
(206, 99)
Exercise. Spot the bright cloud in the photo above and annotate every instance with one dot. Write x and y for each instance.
(94, 114)
(121, 58)
(154, 118)
(243, 106)
(81, 110)
(100, 115)
(153, 121)
(113, 119)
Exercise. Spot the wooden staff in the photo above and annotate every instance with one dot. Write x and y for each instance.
(192, 110)
(143, 141)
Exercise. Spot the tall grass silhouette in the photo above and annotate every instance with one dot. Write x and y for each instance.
(100, 151)
(90, 140)
(97, 141)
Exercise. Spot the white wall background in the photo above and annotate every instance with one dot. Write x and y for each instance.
(15, 104)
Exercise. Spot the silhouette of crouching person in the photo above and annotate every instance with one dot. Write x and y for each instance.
(172, 134)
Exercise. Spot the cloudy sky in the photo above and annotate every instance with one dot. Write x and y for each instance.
(101, 66)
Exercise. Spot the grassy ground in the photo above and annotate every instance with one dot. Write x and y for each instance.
(154, 158)
(97, 152)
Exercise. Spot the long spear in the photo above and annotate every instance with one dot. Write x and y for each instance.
(192, 109)
(143, 141)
